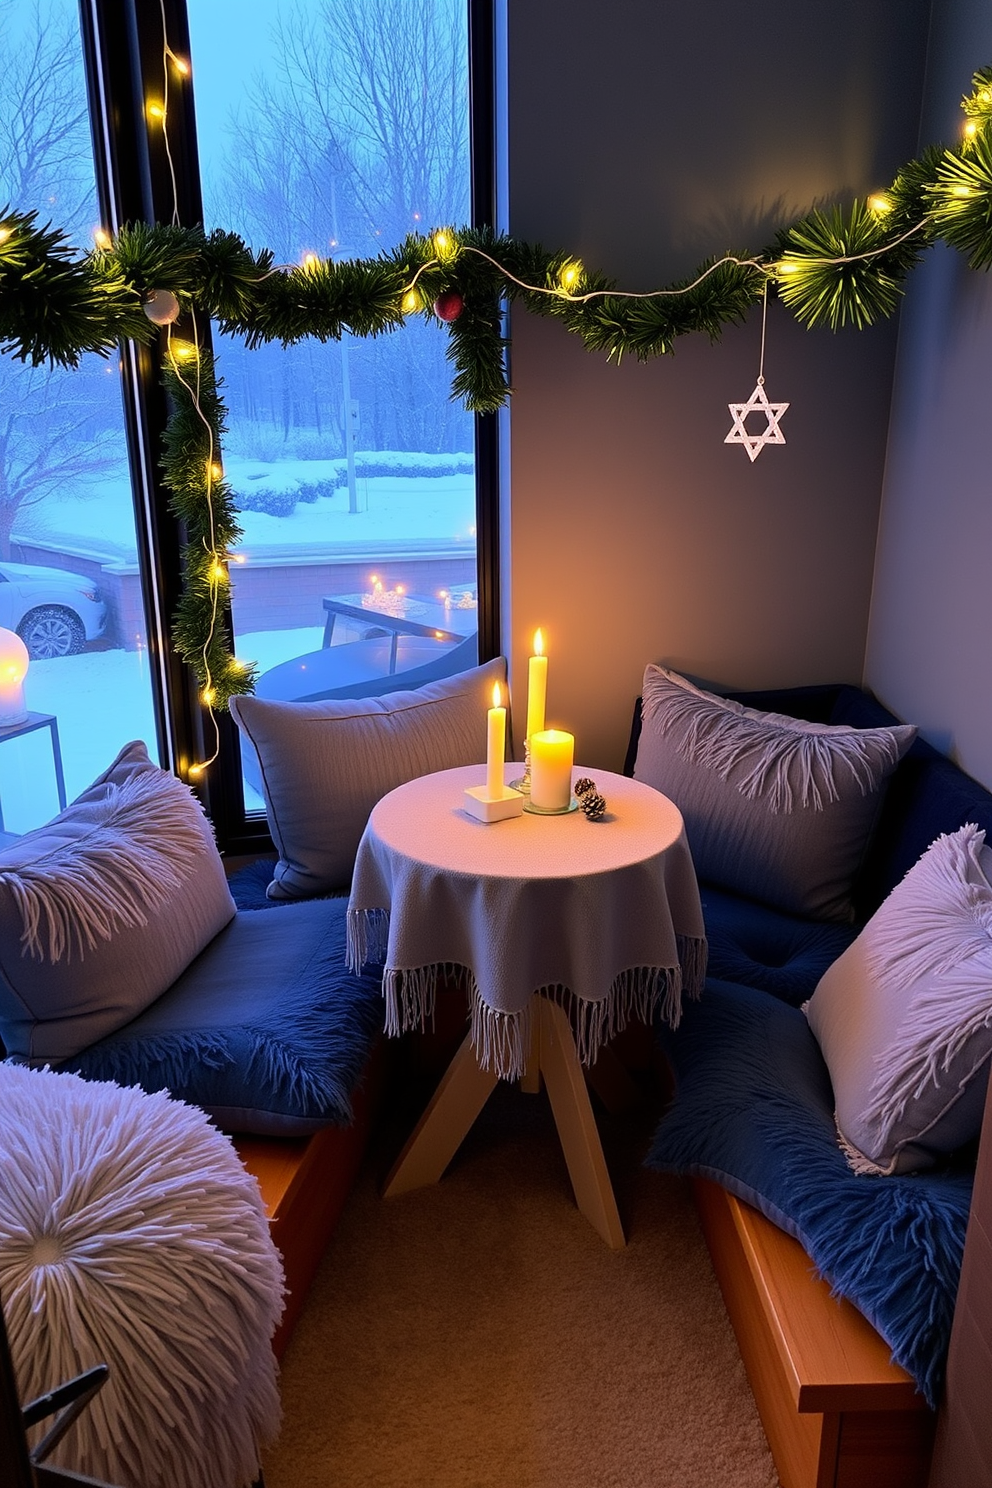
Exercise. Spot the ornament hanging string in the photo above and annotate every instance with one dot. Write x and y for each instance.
(757, 403)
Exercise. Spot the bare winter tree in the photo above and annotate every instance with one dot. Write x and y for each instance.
(55, 426)
(360, 138)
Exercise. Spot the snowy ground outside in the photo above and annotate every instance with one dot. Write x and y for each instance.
(391, 509)
(101, 701)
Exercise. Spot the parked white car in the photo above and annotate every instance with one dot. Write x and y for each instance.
(54, 612)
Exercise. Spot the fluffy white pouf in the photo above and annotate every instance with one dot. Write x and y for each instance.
(130, 1234)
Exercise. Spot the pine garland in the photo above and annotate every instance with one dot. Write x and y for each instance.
(202, 500)
(831, 268)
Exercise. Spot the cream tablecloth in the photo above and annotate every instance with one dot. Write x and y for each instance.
(602, 916)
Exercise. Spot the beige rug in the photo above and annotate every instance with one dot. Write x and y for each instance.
(479, 1334)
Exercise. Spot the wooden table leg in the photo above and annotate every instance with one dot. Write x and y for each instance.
(457, 1101)
(464, 1090)
(530, 1080)
(577, 1130)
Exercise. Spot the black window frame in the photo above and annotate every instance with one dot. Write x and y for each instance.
(122, 46)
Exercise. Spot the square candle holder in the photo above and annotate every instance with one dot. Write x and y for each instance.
(486, 808)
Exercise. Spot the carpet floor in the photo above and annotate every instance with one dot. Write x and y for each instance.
(479, 1334)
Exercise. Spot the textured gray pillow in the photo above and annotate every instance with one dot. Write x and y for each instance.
(104, 907)
(324, 765)
(904, 1017)
(775, 808)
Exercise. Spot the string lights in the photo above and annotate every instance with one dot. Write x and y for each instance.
(831, 269)
(194, 476)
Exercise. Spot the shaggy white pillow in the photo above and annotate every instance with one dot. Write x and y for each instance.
(104, 907)
(131, 1235)
(904, 1017)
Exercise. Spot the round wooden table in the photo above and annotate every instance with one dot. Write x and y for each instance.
(564, 929)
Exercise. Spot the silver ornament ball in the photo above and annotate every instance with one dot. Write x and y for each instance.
(161, 307)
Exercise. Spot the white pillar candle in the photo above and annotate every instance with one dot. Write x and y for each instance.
(551, 753)
(495, 747)
(537, 687)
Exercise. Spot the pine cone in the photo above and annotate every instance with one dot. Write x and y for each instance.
(584, 784)
(593, 804)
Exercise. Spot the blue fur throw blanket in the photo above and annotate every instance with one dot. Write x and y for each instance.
(754, 1112)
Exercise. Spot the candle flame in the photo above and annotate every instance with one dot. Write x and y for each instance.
(538, 643)
(497, 695)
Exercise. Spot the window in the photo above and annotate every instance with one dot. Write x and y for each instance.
(69, 579)
(354, 473)
(332, 128)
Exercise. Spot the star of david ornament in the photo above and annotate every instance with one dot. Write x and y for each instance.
(771, 434)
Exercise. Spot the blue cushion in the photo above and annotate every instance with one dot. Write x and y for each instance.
(754, 1111)
(266, 1030)
(762, 947)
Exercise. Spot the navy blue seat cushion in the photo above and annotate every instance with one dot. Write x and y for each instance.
(762, 947)
(266, 1030)
(754, 1111)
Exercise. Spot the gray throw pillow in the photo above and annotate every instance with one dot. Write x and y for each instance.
(904, 1017)
(324, 765)
(104, 907)
(775, 808)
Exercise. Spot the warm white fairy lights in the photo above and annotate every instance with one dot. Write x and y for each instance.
(184, 359)
(566, 280)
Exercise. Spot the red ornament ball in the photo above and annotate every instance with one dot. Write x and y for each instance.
(449, 305)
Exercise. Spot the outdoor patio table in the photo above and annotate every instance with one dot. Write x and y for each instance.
(402, 614)
(564, 928)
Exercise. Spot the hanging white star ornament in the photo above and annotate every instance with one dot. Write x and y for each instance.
(757, 403)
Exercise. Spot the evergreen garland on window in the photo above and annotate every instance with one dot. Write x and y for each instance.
(831, 268)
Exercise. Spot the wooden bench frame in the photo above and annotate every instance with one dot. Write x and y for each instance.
(836, 1411)
(305, 1182)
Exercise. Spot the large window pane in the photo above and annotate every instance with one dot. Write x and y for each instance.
(335, 127)
(69, 581)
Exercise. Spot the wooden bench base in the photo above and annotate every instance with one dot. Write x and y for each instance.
(836, 1411)
(304, 1183)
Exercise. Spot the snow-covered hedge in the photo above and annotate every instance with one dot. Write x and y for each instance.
(398, 463)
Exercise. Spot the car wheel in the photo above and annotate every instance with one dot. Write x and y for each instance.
(52, 630)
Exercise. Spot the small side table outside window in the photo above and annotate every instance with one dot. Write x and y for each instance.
(31, 723)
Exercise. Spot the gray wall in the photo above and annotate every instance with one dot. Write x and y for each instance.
(645, 137)
(929, 654)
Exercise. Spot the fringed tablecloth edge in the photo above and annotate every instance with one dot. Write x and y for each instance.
(367, 932)
(502, 1040)
(693, 955)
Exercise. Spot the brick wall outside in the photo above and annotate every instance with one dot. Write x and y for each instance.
(274, 597)
(266, 596)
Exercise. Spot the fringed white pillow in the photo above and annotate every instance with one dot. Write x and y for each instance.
(131, 1235)
(104, 907)
(775, 808)
(904, 1016)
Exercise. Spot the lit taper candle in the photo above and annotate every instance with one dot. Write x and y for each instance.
(537, 687)
(495, 746)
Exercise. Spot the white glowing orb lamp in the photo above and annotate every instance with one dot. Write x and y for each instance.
(13, 669)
